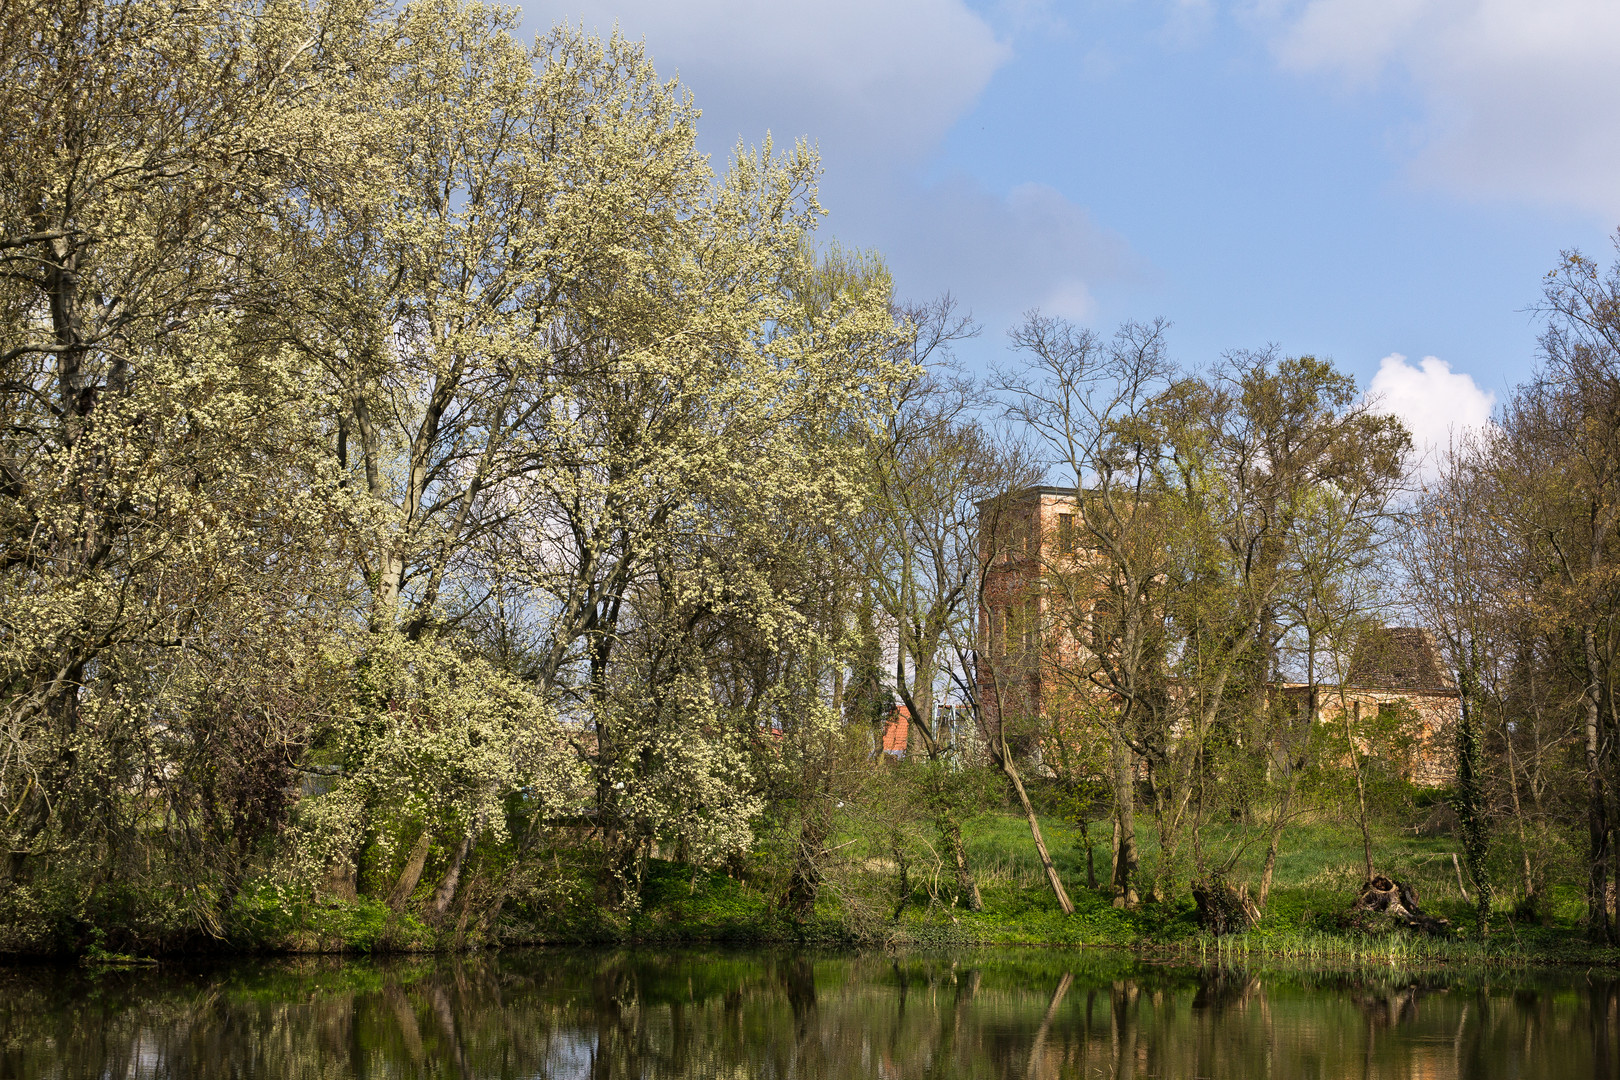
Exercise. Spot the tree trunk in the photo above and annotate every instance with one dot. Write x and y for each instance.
(340, 880)
(805, 884)
(1361, 793)
(1294, 763)
(1518, 820)
(1275, 839)
(1091, 861)
(1113, 851)
(1268, 870)
(1471, 805)
(967, 886)
(1004, 759)
(412, 872)
(903, 865)
(1125, 857)
(1169, 820)
(452, 877)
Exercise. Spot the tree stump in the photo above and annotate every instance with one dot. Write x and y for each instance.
(1385, 896)
(1223, 908)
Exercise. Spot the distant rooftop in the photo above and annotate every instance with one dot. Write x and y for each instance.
(1027, 493)
(1400, 658)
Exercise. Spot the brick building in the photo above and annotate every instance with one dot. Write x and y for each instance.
(1031, 536)
(1023, 537)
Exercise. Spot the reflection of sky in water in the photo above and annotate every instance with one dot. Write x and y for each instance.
(561, 1015)
(144, 1060)
(569, 1057)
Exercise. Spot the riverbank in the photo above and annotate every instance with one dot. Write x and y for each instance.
(1307, 918)
(865, 901)
(1299, 924)
(684, 909)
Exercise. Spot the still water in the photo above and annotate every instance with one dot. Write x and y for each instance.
(557, 1014)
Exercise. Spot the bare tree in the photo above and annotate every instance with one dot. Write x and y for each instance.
(932, 463)
(1084, 398)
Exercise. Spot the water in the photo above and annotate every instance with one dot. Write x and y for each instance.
(1036, 1014)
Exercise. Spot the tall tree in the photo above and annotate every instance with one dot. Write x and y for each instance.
(1564, 466)
(931, 464)
(1082, 397)
(1193, 495)
(163, 520)
(1461, 560)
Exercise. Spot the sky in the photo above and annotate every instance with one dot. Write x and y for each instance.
(1381, 182)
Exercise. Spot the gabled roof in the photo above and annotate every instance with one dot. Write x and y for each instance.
(1400, 658)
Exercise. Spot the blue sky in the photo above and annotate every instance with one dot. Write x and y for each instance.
(1358, 179)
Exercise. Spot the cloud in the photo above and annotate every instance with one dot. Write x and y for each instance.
(872, 80)
(999, 254)
(876, 84)
(1521, 99)
(1434, 402)
(1188, 23)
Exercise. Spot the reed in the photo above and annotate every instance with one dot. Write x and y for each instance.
(1316, 949)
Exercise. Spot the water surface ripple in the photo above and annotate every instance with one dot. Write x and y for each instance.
(563, 1015)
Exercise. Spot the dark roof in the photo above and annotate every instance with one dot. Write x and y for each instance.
(1400, 658)
(1019, 495)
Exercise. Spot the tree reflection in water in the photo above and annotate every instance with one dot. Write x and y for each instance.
(566, 1015)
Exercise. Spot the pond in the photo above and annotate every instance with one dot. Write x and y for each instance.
(572, 1014)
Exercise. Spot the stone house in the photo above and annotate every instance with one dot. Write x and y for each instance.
(1398, 672)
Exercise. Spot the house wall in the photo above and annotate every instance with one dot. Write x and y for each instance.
(1432, 759)
(1015, 619)
(1015, 615)
(953, 727)
(897, 732)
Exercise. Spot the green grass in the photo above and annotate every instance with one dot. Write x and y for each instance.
(1305, 922)
(271, 919)
(1319, 869)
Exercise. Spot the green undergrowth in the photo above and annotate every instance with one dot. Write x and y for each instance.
(1309, 927)
(1307, 920)
(271, 919)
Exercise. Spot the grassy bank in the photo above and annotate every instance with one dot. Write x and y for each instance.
(1306, 920)
(865, 901)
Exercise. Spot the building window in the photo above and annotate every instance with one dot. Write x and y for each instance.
(1011, 540)
(1065, 536)
(1100, 623)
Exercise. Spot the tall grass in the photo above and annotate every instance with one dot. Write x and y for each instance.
(1012, 872)
(1318, 950)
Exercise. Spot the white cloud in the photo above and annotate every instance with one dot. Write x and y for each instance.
(1188, 23)
(876, 84)
(1023, 18)
(1436, 403)
(1522, 97)
(1070, 299)
(868, 79)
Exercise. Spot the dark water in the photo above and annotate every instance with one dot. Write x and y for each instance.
(743, 1015)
